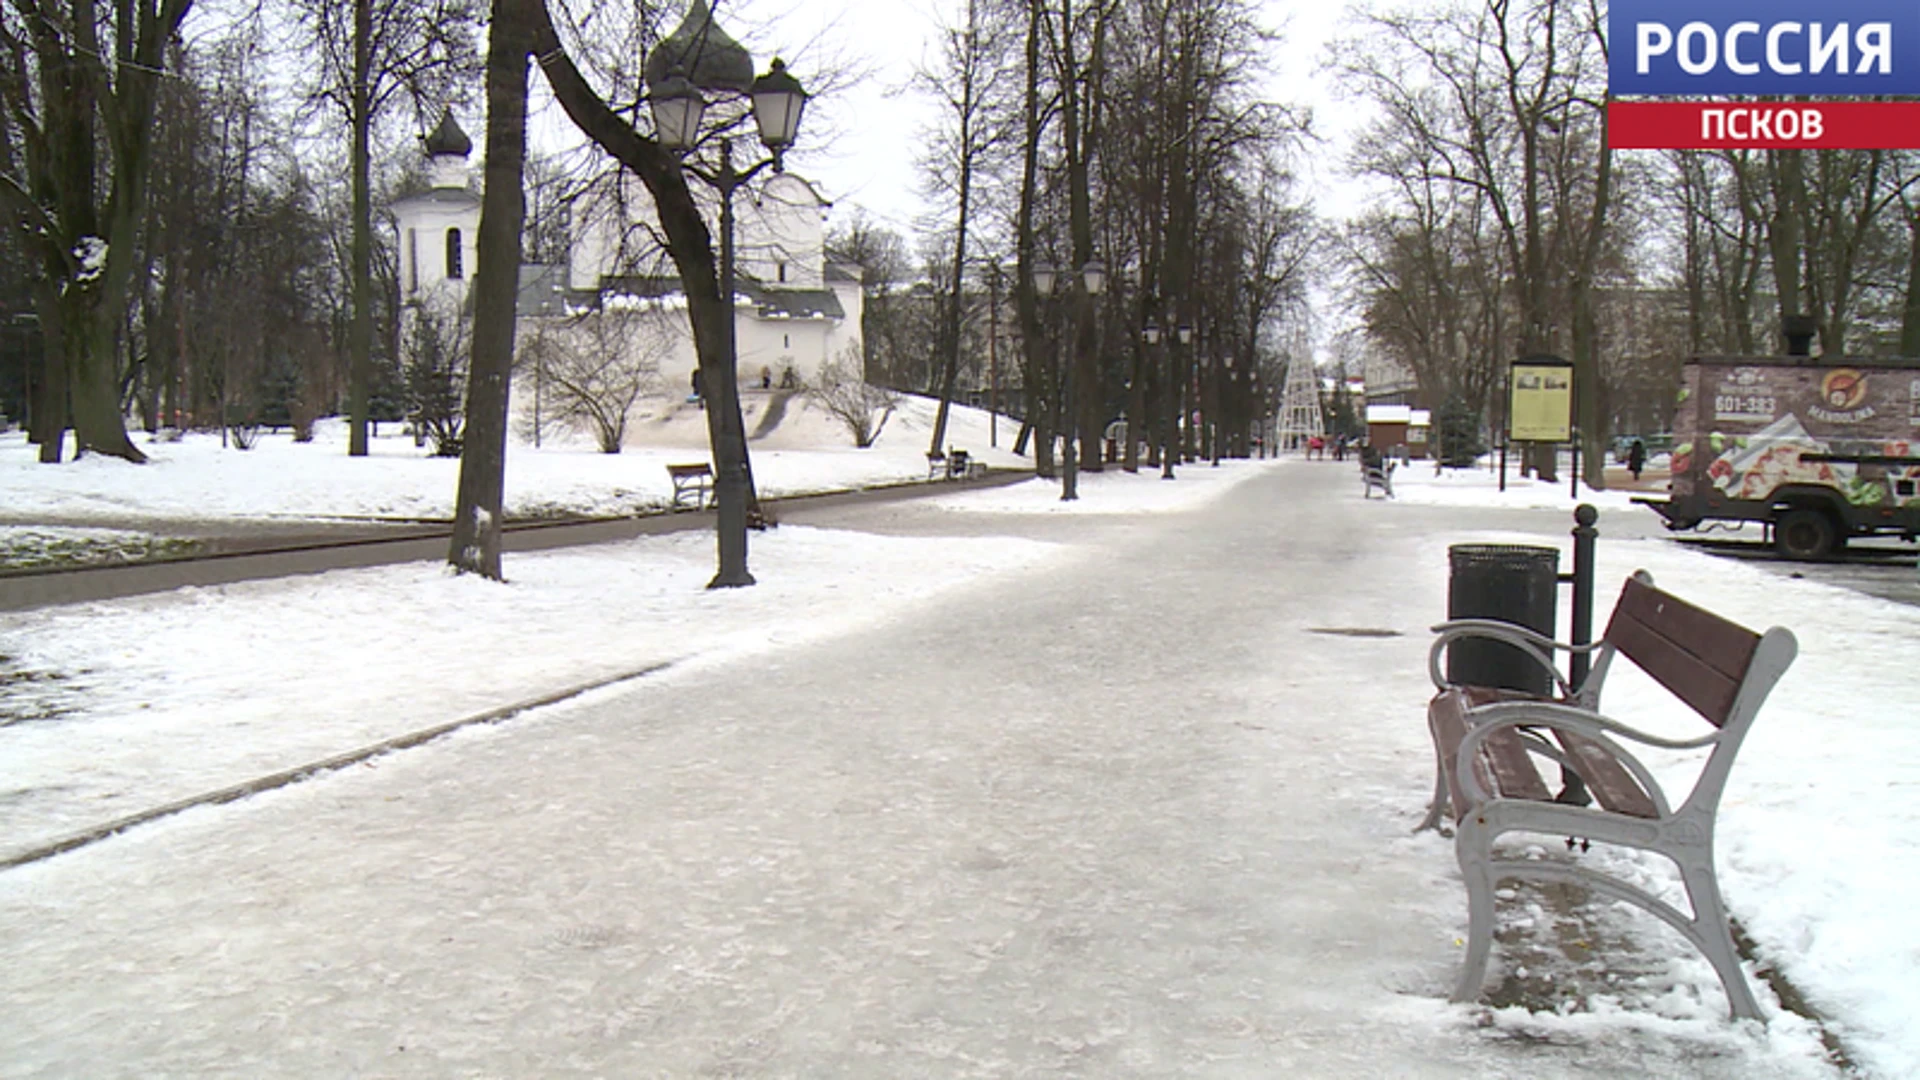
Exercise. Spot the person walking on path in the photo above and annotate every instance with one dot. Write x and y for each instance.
(1636, 459)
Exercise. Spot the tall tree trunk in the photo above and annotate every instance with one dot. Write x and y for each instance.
(1034, 343)
(690, 244)
(50, 419)
(360, 329)
(1589, 391)
(478, 514)
(949, 338)
(1787, 234)
(1910, 312)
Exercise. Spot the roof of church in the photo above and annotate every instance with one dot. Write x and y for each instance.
(793, 303)
(769, 303)
(448, 138)
(702, 52)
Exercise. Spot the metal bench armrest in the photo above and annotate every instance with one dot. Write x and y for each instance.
(1539, 646)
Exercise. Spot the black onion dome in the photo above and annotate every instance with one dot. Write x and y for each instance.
(448, 138)
(702, 52)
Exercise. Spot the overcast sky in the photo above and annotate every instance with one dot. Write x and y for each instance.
(860, 150)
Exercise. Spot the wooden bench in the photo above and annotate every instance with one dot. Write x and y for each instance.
(1488, 744)
(1376, 474)
(955, 464)
(694, 480)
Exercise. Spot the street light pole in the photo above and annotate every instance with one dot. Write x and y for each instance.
(678, 107)
(1177, 396)
(1222, 385)
(1152, 337)
(1093, 280)
(993, 354)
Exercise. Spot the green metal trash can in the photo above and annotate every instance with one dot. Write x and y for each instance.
(1514, 583)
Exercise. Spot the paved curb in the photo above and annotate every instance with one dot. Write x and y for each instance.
(418, 543)
(315, 768)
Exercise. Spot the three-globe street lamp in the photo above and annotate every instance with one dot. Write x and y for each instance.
(679, 104)
(1093, 278)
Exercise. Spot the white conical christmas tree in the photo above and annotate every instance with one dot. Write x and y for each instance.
(1300, 417)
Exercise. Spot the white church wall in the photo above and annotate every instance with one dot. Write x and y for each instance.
(782, 233)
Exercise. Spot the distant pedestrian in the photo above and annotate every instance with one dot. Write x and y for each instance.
(766, 377)
(1636, 459)
(789, 380)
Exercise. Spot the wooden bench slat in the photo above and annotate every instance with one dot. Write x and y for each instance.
(1696, 681)
(1698, 656)
(1503, 765)
(1720, 643)
(1611, 785)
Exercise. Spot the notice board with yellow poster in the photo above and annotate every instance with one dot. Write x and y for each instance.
(1540, 400)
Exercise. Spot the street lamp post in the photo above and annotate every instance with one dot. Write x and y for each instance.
(1222, 387)
(1151, 335)
(1093, 279)
(1176, 394)
(678, 107)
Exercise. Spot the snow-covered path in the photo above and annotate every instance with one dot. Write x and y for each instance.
(1122, 814)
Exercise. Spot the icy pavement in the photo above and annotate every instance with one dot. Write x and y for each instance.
(1123, 811)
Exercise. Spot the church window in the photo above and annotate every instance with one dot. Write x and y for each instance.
(454, 268)
(781, 269)
(786, 341)
(413, 260)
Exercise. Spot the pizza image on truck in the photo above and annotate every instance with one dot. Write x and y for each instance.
(1817, 450)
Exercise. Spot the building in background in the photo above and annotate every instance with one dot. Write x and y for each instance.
(794, 312)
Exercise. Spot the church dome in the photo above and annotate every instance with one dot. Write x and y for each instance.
(448, 138)
(703, 53)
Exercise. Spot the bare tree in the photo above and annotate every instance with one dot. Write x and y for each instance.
(970, 61)
(79, 90)
(371, 55)
(595, 366)
(480, 508)
(690, 244)
(862, 408)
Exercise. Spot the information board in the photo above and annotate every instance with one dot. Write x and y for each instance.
(1540, 401)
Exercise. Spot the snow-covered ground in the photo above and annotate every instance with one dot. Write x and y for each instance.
(806, 451)
(110, 708)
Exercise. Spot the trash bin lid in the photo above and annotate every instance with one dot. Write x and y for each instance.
(1513, 555)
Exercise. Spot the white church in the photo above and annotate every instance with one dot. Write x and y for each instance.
(793, 311)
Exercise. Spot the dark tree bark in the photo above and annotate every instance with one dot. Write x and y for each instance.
(1035, 345)
(690, 244)
(370, 52)
(360, 324)
(1910, 310)
(97, 79)
(965, 57)
(479, 511)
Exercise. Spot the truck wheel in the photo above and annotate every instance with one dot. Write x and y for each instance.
(1805, 535)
